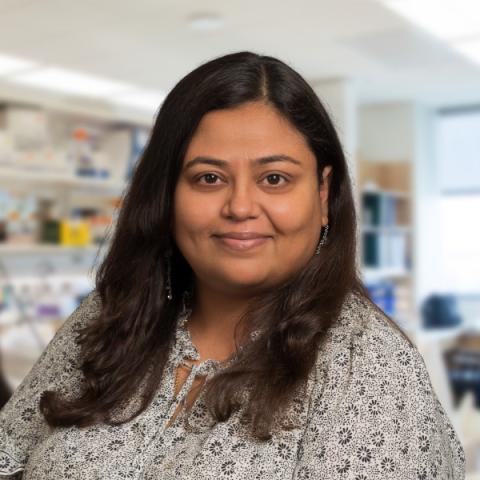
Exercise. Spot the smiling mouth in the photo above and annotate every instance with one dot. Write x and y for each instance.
(241, 245)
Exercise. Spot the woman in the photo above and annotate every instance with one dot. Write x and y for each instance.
(229, 335)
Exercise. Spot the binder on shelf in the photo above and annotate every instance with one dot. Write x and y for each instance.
(389, 210)
(380, 209)
(385, 246)
(371, 209)
(385, 250)
(370, 249)
(398, 250)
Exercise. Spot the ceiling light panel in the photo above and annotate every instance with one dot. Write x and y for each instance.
(446, 19)
(471, 49)
(70, 82)
(10, 64)
(148, 100)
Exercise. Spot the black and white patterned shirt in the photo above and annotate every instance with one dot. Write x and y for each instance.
(368, 411)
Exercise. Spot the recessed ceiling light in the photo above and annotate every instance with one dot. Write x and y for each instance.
(205, 21)
(10, 64)
(143, 99)
(70, 82)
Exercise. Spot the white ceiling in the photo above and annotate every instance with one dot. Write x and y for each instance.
(150, 43)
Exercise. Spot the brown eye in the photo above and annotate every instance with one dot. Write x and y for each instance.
(209, 178)
(276, 178)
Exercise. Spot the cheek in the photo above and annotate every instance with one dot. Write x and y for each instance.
(295, 215)
(193, 215)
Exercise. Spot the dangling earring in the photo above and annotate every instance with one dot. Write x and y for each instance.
(186, 301)
(322, 240)
(168, 254)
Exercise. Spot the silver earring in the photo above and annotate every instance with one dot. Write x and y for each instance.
(169, 280)
(186, 300)
(322, 240)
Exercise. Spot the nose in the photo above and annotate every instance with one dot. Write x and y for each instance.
(240, 202)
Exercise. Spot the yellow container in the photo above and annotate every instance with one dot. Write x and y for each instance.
(74, 233)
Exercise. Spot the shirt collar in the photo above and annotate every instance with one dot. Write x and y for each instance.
(184, 347)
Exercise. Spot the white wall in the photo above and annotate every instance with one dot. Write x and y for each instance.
(387, 132)
(339, 98)
(427, 252)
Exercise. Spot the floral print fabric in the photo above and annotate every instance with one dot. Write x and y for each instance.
(367, 411)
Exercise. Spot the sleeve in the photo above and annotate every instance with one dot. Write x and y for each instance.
(22, 425)
(374, 415)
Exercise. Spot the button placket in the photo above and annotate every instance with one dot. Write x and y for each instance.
(149, 442)
(182, 349)
(180, 397)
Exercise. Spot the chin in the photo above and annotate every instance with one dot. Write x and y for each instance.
(246, 281)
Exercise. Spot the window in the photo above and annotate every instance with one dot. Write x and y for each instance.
(458, 159)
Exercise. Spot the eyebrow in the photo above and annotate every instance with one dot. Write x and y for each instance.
(258, 161)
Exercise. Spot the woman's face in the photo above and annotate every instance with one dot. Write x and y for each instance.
(224, 187)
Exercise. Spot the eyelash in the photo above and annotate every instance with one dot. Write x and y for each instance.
(269, 175)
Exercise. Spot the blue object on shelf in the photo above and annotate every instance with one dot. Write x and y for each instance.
(383, 295)
(440, 311)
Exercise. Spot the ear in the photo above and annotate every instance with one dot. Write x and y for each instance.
(324, 191)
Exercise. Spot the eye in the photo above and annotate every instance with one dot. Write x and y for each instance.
(208, 177)
(276, 177)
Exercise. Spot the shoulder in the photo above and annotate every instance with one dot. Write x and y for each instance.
(63, 348)
(373, 407)
(364, 337)
(57, 368)
(88, 309)
(366, 352)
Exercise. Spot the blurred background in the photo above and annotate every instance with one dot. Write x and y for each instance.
(81, 82)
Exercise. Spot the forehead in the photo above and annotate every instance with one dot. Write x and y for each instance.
(253, 129)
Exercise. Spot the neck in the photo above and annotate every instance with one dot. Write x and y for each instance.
(213, 321)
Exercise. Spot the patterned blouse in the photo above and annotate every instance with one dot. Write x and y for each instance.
(368, 411)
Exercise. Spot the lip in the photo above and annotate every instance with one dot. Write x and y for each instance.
(242, 235)
(250, 240)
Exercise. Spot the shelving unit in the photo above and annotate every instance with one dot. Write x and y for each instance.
(49, 278)
(386, 240)
(18, 176)
(386, 235)
(62, 159)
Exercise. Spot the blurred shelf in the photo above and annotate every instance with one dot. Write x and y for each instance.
(9, 322)
(76, 105)
(439, 334)
(374, 274)
(383, 191)
(9, 176)
(387, 228)
(386, 223)
(12, 249)
(466, 329)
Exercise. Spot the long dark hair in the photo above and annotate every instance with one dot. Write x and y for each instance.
(5, 390)
(128, 343)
